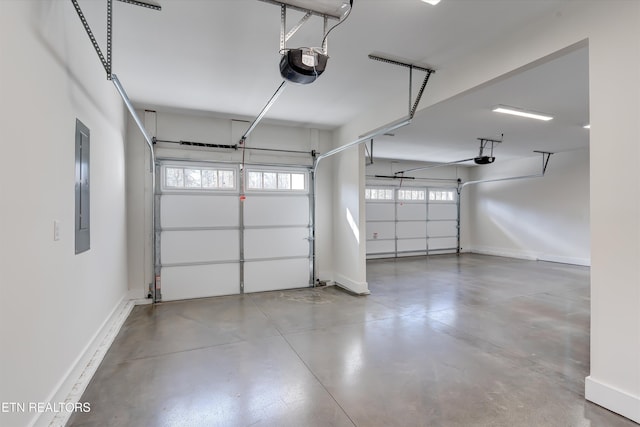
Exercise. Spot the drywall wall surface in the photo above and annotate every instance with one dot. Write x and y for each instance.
(614, 67)
(171, 127)
(52, 301)
(544, 218)
(349, 223)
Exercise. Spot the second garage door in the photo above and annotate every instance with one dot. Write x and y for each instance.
(411, 221)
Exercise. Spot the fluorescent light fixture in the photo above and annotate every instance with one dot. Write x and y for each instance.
(521, 113)
(587, 126)
(432, 2)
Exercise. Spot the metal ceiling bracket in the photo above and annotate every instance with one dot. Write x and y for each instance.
(283, 27)
(106, 62)
(413, 105)
(94, 42)
(109, 36)
(296, 27)
(302, 9)
(142, 4)
(546, 155)
(325, 31)
(484, 142)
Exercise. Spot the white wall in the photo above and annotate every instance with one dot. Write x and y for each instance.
(53, 302)
(612, 29)
(540, 218)
(206, 128)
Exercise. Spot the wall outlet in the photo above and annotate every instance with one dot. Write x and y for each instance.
(56, 230)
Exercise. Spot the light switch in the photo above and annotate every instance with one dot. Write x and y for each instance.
(56, 230)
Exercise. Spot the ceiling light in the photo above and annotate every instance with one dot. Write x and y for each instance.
(587, 126)
(521, 113)
(432, 2)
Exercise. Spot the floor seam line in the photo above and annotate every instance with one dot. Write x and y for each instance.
(319, 382)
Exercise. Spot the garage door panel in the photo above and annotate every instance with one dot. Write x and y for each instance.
(260, 276)
(412, 211)
(442, 242)
(442, 228)
(276, 210)
(276, 243)
(192, 210)
(384, 230)
(380, 211)
(380, 246)
(412, 245)
(443, 211)
(199, 246)
(198, 281)
(411, 229)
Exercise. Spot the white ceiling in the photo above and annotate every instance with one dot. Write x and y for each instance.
(221, 57)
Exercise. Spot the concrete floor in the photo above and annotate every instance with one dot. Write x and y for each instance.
(445, 341)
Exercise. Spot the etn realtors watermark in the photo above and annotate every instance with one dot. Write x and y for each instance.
(40, 407)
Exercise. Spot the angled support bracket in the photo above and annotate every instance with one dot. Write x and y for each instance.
(142, 4)
(296, 27)
(413, 105)
(546, 155)
(106, 62)
(484, 143)
(369, 152)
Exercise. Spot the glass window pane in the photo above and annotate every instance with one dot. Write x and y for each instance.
(174, 177)
(193, 179)
(421, 195)
(255, 180)
(270, 180)
(297, 181)
(367, 193)
(388, 194)
(209, 178)
(432, 195)
(284, 181)
(226, 179)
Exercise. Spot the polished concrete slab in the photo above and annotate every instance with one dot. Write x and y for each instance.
(441, 341)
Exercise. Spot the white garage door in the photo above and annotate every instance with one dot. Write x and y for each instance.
(212, 243)
(410, 221)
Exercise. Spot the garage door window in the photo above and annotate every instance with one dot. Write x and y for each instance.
(276, 180)
(182, 178)
(378, 194)
(441, 195)
(417, 195)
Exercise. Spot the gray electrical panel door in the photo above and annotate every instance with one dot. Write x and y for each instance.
(82, 221)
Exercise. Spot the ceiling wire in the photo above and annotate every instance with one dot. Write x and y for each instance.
(341, 21)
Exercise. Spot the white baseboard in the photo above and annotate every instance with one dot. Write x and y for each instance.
(358, 288)
(504, 253)
(531, 256)
(76, 380)
(585, 262)
(613, 399)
